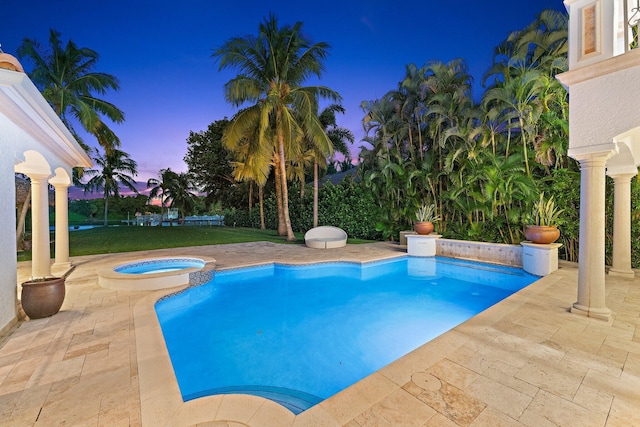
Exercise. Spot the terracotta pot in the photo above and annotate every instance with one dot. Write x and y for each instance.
(42, 298)
(422, 227)
(542, 234)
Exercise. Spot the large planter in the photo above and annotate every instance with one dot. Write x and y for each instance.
(43, 297)
(542, 234)
(423, 227)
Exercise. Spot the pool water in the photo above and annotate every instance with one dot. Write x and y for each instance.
(160, 265)
(298, 335)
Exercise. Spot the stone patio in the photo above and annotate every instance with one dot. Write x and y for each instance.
(525, 361)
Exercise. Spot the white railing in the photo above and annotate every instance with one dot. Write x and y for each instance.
(631, 19)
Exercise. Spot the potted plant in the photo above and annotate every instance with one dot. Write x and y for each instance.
(545, 216)
(42, 297)
(425, 217)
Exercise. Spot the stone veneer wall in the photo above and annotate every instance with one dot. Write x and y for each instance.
(497, 253)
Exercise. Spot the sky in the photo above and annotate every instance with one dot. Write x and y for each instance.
(161, 52)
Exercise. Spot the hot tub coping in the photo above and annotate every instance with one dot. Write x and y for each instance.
(110, 279)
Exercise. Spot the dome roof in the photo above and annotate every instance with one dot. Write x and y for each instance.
(9, 62)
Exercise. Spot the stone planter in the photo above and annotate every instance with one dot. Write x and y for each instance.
(541, 234)
(43, 297)
(422, 227)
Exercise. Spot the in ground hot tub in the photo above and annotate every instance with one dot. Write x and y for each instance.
(157, 273)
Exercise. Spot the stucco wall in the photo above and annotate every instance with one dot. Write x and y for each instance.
(8, 272)
(604, 107)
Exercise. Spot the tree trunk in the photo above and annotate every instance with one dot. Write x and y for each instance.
(282, 230)
(106, 209)
(261, 199)
(315, 193)
(22, 219)
(250, 195)
(284, 191)
(161, 209)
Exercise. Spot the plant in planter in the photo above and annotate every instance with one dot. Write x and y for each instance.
(42, 297)
(545, 218)
(425, 217)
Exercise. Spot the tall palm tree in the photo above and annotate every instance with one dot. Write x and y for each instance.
(67, 80)
(160, 187)
(273, 66)
(339, 138)
(115, 168)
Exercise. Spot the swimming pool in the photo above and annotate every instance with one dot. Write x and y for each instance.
(298, 335)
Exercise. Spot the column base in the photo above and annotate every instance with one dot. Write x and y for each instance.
(595, 313)
(626, 274)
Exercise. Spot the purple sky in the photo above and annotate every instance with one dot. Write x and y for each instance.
(169, 84)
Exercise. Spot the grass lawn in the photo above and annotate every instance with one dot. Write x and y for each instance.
(101, 240)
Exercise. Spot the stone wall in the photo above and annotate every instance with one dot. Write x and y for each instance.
(496, 253)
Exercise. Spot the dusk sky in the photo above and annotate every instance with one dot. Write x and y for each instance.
(170, 85)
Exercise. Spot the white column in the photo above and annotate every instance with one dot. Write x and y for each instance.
(621, 255)
(40, 251)
(62, 228)
(591, 271)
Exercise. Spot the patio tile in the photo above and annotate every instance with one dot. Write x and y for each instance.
(494, 418)
(508, 401)
(358, 397)
(625, 410)
(547, 409)
(455, 374)
(593, 399)
(398, 409)
(559, 378)
(505, 374)
(626, 387)
(439, 420)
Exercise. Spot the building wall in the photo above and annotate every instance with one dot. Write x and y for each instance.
(8, 268)
(604, 107)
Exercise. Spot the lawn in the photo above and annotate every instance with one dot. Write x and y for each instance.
(101, 240)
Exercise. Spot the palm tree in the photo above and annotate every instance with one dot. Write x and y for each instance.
(115, 168)
(67, 80)
(182, 192)
(339, 137)
(160, 187)
(273, 65)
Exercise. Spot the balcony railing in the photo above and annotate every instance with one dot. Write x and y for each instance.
(631, 20)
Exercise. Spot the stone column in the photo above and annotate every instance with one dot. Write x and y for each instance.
(40, 250)
(62, 228)
(591, 271)
(621, 255)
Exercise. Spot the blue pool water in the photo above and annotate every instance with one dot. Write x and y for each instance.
(160, 265)
(298, 335)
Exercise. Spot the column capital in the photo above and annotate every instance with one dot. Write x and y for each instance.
(39, 176)
(59, 185)
(593, 158)
(622, 176)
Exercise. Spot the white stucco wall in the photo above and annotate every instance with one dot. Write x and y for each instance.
(604, 107)
(8, 277)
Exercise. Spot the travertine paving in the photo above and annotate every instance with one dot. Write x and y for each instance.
(525, 361)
